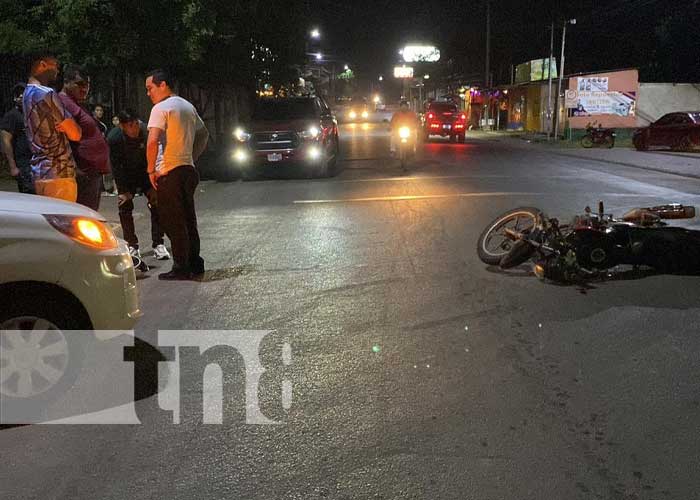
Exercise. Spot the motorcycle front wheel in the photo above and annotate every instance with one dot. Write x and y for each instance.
(493, 243)
(587, 141)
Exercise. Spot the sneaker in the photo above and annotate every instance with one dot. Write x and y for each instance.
(138, 260)
(161, 253)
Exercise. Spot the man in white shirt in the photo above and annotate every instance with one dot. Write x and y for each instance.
(176, 138)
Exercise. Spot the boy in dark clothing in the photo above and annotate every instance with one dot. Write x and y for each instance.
(127, 144)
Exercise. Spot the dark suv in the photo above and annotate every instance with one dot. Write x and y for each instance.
(446, 120)
(294, 134)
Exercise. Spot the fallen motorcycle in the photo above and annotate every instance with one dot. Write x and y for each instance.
(592, 243)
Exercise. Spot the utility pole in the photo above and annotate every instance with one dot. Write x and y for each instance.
(487, 74)
(549, 89)
(561, 77)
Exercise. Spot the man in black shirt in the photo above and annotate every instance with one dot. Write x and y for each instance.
(127, 144)
(15, 144)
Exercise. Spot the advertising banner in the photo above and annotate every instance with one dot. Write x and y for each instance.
(589, 103)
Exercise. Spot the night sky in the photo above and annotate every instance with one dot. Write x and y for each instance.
(659, 36)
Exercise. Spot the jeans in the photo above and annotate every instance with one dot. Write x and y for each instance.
(177, 216)
(126, 218)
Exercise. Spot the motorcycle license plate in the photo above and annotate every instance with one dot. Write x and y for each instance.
(447, 126)
(274, 157)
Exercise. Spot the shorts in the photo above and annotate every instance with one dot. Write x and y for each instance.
(61, 188)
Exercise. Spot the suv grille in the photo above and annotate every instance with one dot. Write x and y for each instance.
(275, 140)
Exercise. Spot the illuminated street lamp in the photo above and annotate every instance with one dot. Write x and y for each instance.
(346, 68)
(319, 56)
(381, 78)
(315, 34)
(426, 77)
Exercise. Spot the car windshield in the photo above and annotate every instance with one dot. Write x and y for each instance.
(285, 109)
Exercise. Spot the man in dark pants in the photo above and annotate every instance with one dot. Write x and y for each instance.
(91, 152)
(15, 144)
(176, 138)
(127, 147)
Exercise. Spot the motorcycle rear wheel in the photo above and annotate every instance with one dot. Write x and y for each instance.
(493, 245)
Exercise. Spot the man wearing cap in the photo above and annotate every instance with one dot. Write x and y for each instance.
(127, 146)
(15, 144)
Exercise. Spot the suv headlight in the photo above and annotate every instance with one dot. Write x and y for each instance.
(241, 135)
(310, 133)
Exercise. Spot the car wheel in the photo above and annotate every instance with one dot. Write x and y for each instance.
(41, 350)
(640, 143)
(462, 139)
(685, 144)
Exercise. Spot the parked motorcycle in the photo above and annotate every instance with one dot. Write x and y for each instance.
(407, 146)
(598, 136)
(592, 243)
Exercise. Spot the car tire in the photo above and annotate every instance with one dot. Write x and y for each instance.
(640, 143)
(461, 139)
(46, 319)
(685, 144)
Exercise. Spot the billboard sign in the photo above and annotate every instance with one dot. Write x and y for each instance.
(420, 53)
(590, 103)
(535, 71)
(403, 72)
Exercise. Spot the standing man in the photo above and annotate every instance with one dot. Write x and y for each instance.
(15, 144)
(127, 146)
(99, 113)
(176, 138)
(91, 152)
(49, 128)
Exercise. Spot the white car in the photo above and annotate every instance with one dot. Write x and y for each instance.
(61, 269)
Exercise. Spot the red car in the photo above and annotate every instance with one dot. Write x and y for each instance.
(680, 131)
(286, 135)
(446, 120)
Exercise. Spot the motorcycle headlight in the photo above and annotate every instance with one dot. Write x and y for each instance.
(404, 132)
(241, 135)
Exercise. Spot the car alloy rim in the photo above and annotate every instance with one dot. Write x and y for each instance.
(34, 356)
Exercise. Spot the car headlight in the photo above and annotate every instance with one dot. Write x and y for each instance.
(352, 115)
(365, 114)
(84, 230)
(241, 135)
(310, 133)
(404, 132)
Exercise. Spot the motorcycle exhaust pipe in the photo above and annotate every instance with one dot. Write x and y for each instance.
(673, 211)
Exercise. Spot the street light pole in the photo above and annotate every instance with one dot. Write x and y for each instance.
(549, 88)
(487, 75)
(561, 77)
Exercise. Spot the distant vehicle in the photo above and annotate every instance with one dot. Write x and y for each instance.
(357, 111)
(598, 136)
(679, 131)
(296, 134)
(445, 120)
(61, 269)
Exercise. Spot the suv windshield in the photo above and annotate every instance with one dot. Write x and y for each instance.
(285, 109)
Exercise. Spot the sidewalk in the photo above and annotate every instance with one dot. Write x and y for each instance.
(667, 162)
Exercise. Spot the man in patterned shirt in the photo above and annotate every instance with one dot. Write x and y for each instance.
(49, 128)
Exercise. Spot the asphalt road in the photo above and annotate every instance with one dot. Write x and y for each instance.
(416, 371)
